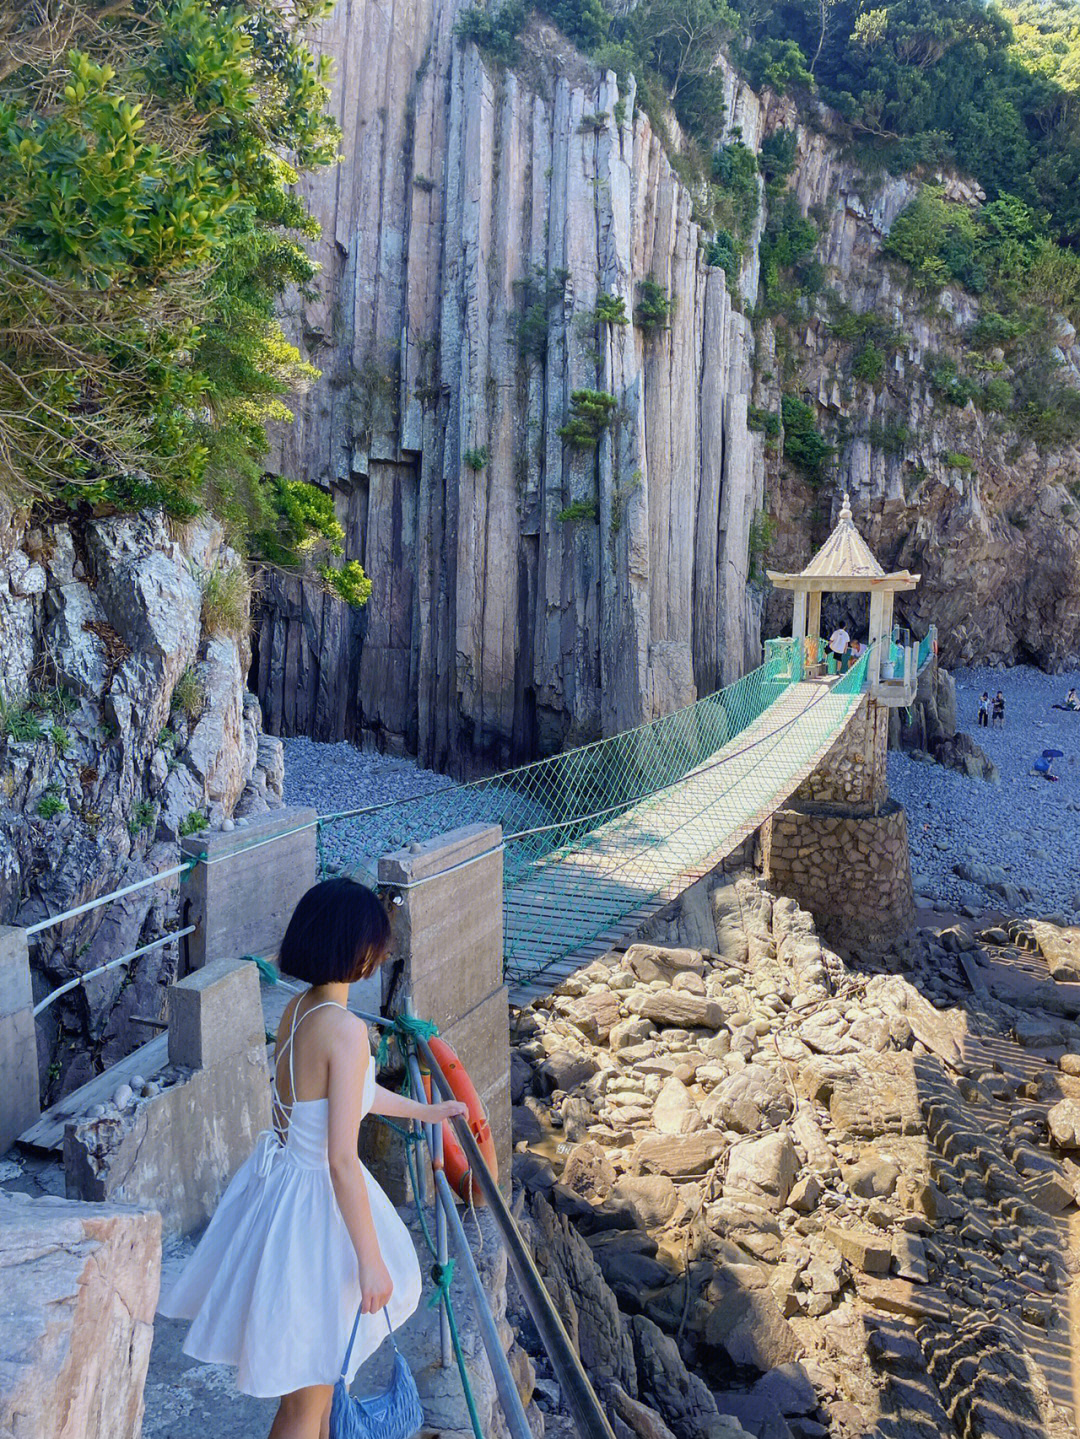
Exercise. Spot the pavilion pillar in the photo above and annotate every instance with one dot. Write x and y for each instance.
(798, 618)
(877, 632)
(813, 623)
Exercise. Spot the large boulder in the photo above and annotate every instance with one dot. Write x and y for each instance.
(960, 752)
(767, 1166)
(80, 1287)
(677, 1009)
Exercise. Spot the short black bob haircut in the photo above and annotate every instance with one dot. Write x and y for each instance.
(339, 933)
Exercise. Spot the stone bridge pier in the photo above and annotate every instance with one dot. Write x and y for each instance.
(840, 845)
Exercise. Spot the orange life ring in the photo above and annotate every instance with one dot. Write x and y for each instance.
(454, 1161)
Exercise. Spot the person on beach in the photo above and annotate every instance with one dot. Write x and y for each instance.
(984, 710)
(1072, 701)
(999, 710)
(838, 646)
(304, 1242)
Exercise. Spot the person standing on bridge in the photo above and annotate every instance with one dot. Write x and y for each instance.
(304, 1243)
(839, 641)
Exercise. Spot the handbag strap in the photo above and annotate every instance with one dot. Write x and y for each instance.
(352, 1337)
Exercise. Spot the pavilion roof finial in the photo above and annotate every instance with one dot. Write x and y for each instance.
(845, 509)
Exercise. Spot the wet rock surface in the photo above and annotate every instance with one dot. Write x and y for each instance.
(841, 1208)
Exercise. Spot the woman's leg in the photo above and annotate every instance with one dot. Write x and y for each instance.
(304, 1414)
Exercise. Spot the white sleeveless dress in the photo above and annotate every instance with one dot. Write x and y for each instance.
(273, 1286)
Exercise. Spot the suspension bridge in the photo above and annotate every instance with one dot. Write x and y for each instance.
(598, 838)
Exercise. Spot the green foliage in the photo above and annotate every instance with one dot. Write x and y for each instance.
(654, 309)
(776, 160)
(61, 739)
(953, 460)
(762, 535)
(226, 600)
(594, 124)
(18, 722)
(939, 82)
(194, 823)
(52, 803)
(765, 421)
(786, 250)
(611, 310)
(723, 251)
(1046, 407)
(538, 294)
(476, 459)
(495, 33)
(868, 365)
(995, 330)
(891, 436)
(804, 444)
(780, 64)
(585, 22)
(424, 183)
(348, 581)
(735, 172)
(143, 816)
(149, 229)
(590, 414)
(579, 510)
(189, 696)
(947, 380)
(996, 397)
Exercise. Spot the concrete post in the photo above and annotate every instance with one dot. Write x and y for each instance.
(813, 623)
(877, 617)
(448, 932)
(20, 1100)
(243, 892)
(798, 617)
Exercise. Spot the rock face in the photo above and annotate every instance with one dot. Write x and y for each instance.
(530, 594)
(80, 1286)
(125, 715)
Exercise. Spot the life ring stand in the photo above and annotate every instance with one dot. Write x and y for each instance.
(455, 1163)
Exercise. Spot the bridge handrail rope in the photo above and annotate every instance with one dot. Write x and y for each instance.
(123, 959)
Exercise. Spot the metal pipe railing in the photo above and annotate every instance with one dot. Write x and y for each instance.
(509, 1398)
(578, 1393)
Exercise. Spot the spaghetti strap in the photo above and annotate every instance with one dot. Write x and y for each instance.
(286, 1109)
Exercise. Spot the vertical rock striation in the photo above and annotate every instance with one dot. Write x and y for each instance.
(528, 593)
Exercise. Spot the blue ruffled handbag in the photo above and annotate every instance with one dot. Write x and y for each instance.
(396, 1413)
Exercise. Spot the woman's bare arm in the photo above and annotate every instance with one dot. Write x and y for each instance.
(398, 1106)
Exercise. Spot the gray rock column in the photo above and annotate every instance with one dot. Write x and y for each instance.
(20, 1103)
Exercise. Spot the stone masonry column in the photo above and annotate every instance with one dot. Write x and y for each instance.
(448, 936)
(840, 846)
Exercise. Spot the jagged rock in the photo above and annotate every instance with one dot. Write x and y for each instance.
(594, 1014)
(585, 1303)
(1063, 1121)
(864, 1250)
(652, 1197)
(674, 1111)
(805, 1194)
(746, 1323)
(80, 1285)
(788, 1387)
(873, 1177)
(677, 1009)
(959, 751)
(665, 1383)
(684, 1154)
(766, 1166)
(588, 1171)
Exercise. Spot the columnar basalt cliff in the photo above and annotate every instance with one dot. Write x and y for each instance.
(531, 593)
(528, 593)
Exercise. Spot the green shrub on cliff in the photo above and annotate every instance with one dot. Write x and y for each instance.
(804, 445)
(150, 226)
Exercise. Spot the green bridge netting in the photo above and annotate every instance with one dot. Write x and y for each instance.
(596, 836)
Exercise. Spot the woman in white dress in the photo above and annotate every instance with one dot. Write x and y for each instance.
(303, 1236)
